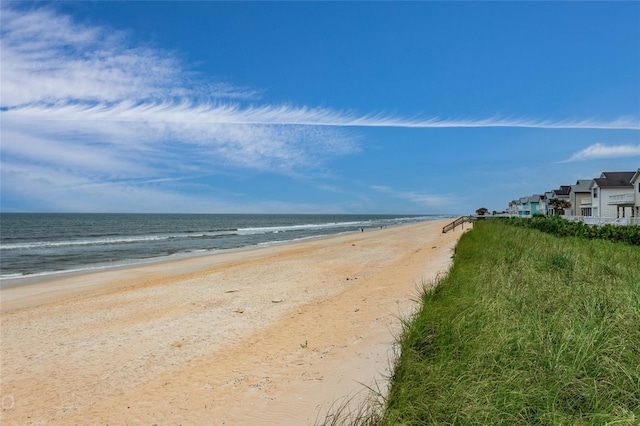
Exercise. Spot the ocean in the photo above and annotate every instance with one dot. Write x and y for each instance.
(39, 244)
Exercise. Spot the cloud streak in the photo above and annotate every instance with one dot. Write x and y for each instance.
(217, 113)
(599, 151)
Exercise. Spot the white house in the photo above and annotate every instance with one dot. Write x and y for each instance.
(612, 195)
(548, 196)
(635, 183)
(513, 207)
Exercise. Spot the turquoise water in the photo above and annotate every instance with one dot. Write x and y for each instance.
(33, 244)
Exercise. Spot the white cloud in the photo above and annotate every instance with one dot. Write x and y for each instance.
(426, 200)
(599, 150)
(194, 114)
(63, 60)
(85, 98)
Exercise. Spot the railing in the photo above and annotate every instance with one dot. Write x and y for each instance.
(608, 220)
(633, 221)
(459, 221)
(574, 218)
(589, 220)
(600, 221)
(622, 199)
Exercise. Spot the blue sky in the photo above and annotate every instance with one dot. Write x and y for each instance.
(327, 107)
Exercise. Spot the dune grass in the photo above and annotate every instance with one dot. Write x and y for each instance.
(527, 328)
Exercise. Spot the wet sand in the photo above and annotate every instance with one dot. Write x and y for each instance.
(267, 336)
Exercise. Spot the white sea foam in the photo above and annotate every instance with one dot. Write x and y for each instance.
(114, 240)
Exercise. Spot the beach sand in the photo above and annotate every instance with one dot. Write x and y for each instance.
(267, 336)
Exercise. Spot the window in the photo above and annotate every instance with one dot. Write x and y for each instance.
(595, 192)
(638, 186)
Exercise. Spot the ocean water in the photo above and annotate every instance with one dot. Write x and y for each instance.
(36, 244)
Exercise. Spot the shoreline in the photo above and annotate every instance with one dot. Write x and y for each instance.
(260, 233)
(287, 330)
(46, 276)
(64, 283)
(41, 277)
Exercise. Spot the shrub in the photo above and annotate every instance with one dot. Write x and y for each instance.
(560, 227)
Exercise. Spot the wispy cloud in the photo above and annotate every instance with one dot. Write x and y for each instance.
(65, 61)
(599, 151)
(426, 200)
(196, 114)
(94, 101)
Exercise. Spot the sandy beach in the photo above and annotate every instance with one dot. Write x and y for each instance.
(267, 336)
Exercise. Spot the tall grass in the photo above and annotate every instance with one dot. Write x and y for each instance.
(527, 328)
(366, 411)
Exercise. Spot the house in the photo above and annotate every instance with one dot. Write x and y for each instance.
(537, 204)
(524, 209)
(561, 193)
(580, 198)
(635, 183)
(513, 207)
(548, 196)
(612, 195)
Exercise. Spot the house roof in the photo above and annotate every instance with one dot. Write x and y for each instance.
(635, 176)
(614, 179)
(582, 185)
(536, 197)
(562, 191)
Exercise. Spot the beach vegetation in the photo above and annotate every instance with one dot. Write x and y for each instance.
(560, 227)
(527, 328)
(357, 410)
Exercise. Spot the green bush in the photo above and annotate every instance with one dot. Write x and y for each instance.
(560, 227)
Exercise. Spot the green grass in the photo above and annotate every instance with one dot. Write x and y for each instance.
(527, 328)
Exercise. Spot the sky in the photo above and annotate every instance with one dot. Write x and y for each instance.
(312, 107)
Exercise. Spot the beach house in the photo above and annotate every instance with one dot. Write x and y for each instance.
(537, 204)
(580, 198)
(612, 195)
(524, 209)
(635, 183)
(548, 196)
(513, 207)
(561, 193)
